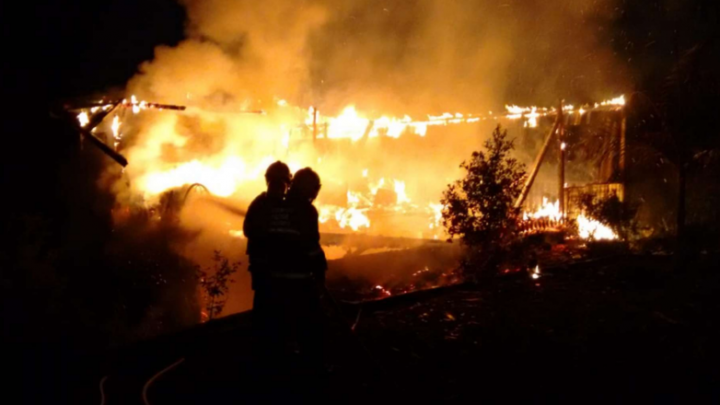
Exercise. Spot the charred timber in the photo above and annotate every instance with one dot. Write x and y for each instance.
(110, 152)
(86, 132)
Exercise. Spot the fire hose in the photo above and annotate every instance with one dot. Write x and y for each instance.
(155, 377)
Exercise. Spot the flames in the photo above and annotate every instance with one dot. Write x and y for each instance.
(535, 273)
(592, 229)
(164, 156)
(588, 228)
(351, 124)
(550, 210)
(83, 118)
(353, 217)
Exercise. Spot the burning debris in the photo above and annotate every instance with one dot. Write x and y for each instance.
(535, 273)
(548, 217)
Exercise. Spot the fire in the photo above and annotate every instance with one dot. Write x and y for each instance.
(116, 130)
(382, 290)
(548, 209)
(83, 118)
(592, 229)
(530, 113)
(352, 217)
(348, 125)
(230, 157)
(374, 187)
(221, 180)
(353, 125)
(400, 191)
(436, 222)
(617, 101)
(588, 228)
(535, 274)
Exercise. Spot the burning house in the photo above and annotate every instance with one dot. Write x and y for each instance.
(384, 205)
(382, 196)
(383, 102)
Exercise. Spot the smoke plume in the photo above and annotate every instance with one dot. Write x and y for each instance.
(389, 56)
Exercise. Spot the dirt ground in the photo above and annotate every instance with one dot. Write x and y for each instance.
(628, 329)
(623, 329)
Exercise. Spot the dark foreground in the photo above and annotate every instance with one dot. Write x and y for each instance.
(624, 329)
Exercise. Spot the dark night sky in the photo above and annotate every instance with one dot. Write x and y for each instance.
(69, 48)
(57, 50)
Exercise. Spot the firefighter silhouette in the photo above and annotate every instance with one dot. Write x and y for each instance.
(286, 266)
(307, 291)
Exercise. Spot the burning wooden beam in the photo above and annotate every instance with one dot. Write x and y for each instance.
(86, 132)
(539, 159)
(110, 152)
(125, 103)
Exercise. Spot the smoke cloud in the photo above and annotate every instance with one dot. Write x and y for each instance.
(388, 56)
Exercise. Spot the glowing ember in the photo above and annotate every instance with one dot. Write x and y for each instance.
(382, 290)
(419, 272)
(535, 274)
(83, 118)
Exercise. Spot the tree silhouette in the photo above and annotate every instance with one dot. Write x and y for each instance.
(479, 208)
(216, 286)
(681, 124)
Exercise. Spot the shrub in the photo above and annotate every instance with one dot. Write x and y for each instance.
(480, 207)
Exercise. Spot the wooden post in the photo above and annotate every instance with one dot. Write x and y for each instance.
(538, 160)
